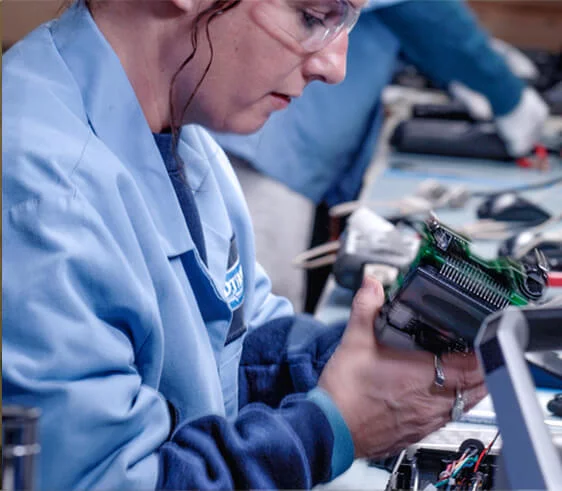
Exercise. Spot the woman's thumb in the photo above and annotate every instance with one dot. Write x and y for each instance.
(366, 305)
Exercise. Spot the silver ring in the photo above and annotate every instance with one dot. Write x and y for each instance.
(439, 379)
(458, 407)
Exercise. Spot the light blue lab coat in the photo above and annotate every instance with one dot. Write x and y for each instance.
(108, 310)
(322, 144)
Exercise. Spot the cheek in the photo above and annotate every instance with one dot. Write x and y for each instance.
(246, 68)
(240, 84)
(251, 62)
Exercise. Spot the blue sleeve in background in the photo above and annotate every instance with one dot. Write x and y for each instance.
(445, 41)
(544, 379)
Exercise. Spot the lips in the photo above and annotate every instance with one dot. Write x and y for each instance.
(283, 96)
(279, 101)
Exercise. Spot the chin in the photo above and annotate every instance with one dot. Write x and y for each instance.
(246, 128)
(244, 125)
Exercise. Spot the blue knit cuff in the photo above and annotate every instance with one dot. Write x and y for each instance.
(343, 451)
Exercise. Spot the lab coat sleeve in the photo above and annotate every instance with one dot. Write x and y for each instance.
(264, 305)
(73, 345)
(75, 325)
(446, 42)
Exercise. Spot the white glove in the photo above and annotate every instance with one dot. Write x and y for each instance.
(477, 105)
(522, 128)
(519, 63)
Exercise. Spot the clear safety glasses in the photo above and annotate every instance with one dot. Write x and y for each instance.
(311, 24)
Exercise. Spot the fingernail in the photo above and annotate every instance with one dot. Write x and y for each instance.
(370, 283)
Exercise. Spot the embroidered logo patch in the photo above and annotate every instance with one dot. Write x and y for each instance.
(234, 285)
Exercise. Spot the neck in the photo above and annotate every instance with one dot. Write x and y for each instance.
(140, 42)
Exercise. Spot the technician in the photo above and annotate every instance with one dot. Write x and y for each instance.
(134, 313)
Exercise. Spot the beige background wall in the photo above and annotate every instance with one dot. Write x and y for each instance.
(525, 23)
(21, 16)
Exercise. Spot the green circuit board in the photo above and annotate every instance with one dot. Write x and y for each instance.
(500, 282)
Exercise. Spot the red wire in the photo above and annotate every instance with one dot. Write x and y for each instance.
(485, 451)
(555, 279)
(479, 460)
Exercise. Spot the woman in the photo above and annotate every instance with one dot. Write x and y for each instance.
(130, 283)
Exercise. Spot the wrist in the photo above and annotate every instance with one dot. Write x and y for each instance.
(343, 451)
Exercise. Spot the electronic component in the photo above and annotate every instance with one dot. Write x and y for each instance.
(447, 137)
(454, 110)
(472, 466)
(555, 405)
(439, 303)
(372, 245)
(522, 246)
(510, 207)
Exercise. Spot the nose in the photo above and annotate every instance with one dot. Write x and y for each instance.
(329, 64)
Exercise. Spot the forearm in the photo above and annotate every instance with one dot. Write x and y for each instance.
(445, 41)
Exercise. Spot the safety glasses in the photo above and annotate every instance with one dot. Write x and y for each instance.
(310, 24)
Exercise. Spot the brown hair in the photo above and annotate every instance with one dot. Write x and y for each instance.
(217, 8)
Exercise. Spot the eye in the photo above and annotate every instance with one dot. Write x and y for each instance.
(312, 21)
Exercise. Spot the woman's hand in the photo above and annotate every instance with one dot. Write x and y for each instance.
(386, 396)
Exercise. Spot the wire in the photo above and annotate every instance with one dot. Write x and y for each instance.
(391, 484)
(555, 279)
(449, 475)
(528, 187)
(493, 229)
(485, 452)
(320, 262)
(407, 206)
(316, 257)
(465, 463)
(477, 483)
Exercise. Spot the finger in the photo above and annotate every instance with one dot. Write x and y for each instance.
(470, 398)
(461, 371)
(444, 402)
(367, 302)
(474, 395)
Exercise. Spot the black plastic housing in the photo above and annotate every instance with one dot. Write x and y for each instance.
(437, 315)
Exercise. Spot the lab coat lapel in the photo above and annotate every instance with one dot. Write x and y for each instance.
(116, 117)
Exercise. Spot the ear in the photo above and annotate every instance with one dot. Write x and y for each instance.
(187, 5)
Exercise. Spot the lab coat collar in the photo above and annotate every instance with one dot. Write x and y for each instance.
(116, 117)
